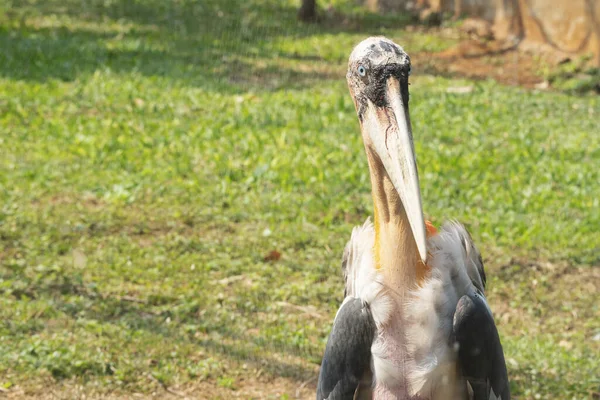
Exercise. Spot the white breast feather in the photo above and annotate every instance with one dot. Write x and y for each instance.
(454, 262)
(362, 279)
(429, 313)
(364, 282)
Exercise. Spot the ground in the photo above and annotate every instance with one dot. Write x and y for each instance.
(178, 180)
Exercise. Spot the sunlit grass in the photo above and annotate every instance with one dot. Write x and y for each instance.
(154, 153)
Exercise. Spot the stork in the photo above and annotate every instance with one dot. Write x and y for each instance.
(414, 323)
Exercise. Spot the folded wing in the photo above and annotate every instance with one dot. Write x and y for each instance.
(479, 350)
(347, 358)
(480, 353)
(346, 366)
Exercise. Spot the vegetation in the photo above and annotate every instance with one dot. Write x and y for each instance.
(178, 180)
(575, 76)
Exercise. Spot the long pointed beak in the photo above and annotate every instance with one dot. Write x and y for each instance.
(391, 135)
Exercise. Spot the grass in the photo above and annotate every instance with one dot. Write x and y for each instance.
(157, 157)
(575, 76)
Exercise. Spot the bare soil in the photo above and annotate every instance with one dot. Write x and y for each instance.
(475, 59)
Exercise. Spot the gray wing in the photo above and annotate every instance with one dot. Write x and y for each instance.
(347, 358)
(479, 350)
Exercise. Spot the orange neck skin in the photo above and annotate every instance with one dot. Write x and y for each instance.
(396, 254)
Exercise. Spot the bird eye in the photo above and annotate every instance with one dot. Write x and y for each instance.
(362, 71)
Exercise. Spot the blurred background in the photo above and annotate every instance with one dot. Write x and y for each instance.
(178, 179)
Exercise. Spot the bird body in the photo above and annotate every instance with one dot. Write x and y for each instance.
(412, 354)
(414, 323)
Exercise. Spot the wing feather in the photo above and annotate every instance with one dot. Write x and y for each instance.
(480, 352)
(347, 356)
(346, 366)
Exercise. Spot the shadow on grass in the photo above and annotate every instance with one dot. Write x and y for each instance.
(258, 358)
(45, 54)
(225, 46)
(68, 294)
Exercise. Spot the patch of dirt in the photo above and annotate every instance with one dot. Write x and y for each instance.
(559, 299)
(88, 200)
(259, 388)
(476, 59)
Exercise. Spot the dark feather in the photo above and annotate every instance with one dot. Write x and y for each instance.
(348, 352)
(479, 350)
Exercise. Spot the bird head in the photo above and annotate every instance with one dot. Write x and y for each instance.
(378, 72)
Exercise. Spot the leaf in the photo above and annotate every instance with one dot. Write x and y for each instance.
(273, 255)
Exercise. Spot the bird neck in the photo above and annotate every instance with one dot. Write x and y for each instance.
(395, 250)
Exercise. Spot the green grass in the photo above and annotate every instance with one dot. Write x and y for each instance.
(576, 76)
(154, 152)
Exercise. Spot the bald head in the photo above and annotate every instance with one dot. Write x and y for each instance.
(372, 63)
(378, 50)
